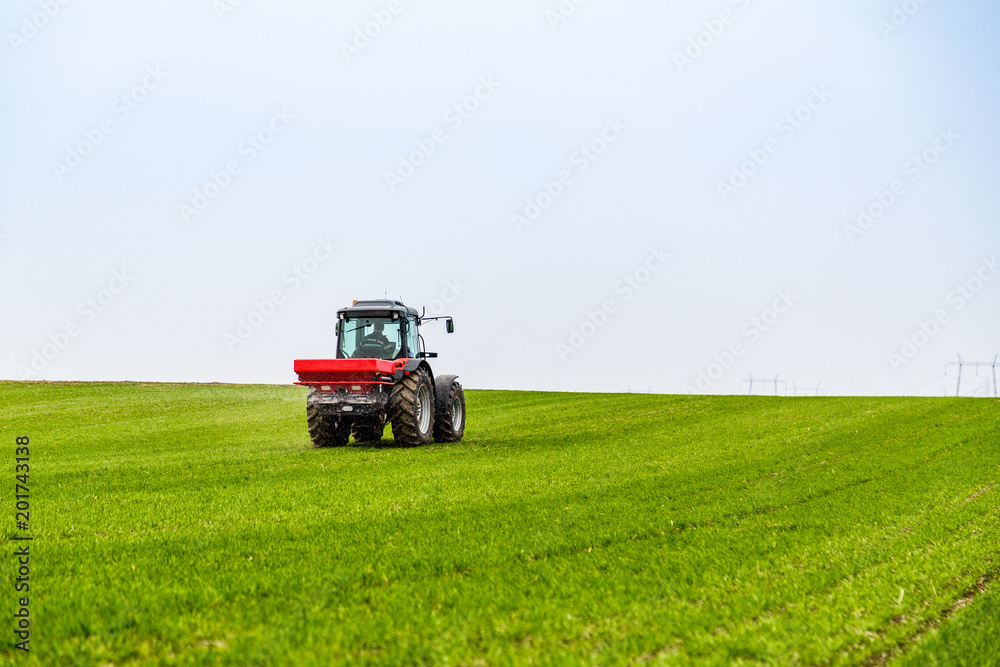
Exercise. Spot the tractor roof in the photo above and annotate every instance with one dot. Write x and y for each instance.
(377, 308)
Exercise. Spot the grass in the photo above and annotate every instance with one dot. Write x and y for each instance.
(969, 640)
(193, 524)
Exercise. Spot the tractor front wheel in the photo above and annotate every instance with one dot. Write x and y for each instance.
(449, 422)
(411, 410)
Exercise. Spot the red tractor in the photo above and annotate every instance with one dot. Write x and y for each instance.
(381, 376)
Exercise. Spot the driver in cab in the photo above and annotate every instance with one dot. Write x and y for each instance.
(376, 340)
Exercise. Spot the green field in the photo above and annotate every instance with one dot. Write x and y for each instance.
(194, 524)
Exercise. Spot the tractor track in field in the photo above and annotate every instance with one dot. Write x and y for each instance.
(924, 625)
(980, 492)
(882, 657)
(830, 587)
(768, 509)
(856, 483)
(776, 610)
(827, 587)
(771, 475)
(970, 594)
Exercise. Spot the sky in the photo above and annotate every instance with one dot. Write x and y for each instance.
(606, 196)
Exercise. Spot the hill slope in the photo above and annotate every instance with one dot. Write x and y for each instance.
(193, 524)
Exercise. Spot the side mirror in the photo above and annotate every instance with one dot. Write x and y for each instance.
(449, 325)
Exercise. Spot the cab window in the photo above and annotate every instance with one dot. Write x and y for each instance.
(369, 338)
(412, 343)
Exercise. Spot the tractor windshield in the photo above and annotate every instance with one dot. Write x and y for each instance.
(369, 338)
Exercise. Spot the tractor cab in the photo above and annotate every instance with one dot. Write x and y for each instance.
(377, 330)
(380, 330)
(375, 338)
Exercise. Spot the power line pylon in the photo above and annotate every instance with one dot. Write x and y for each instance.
(977, 365)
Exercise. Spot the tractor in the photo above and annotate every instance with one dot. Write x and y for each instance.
(381, 376)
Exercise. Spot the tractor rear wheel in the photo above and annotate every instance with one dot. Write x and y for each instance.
(449, 415)
(411, 410)
(324, 430)
(367, 431)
